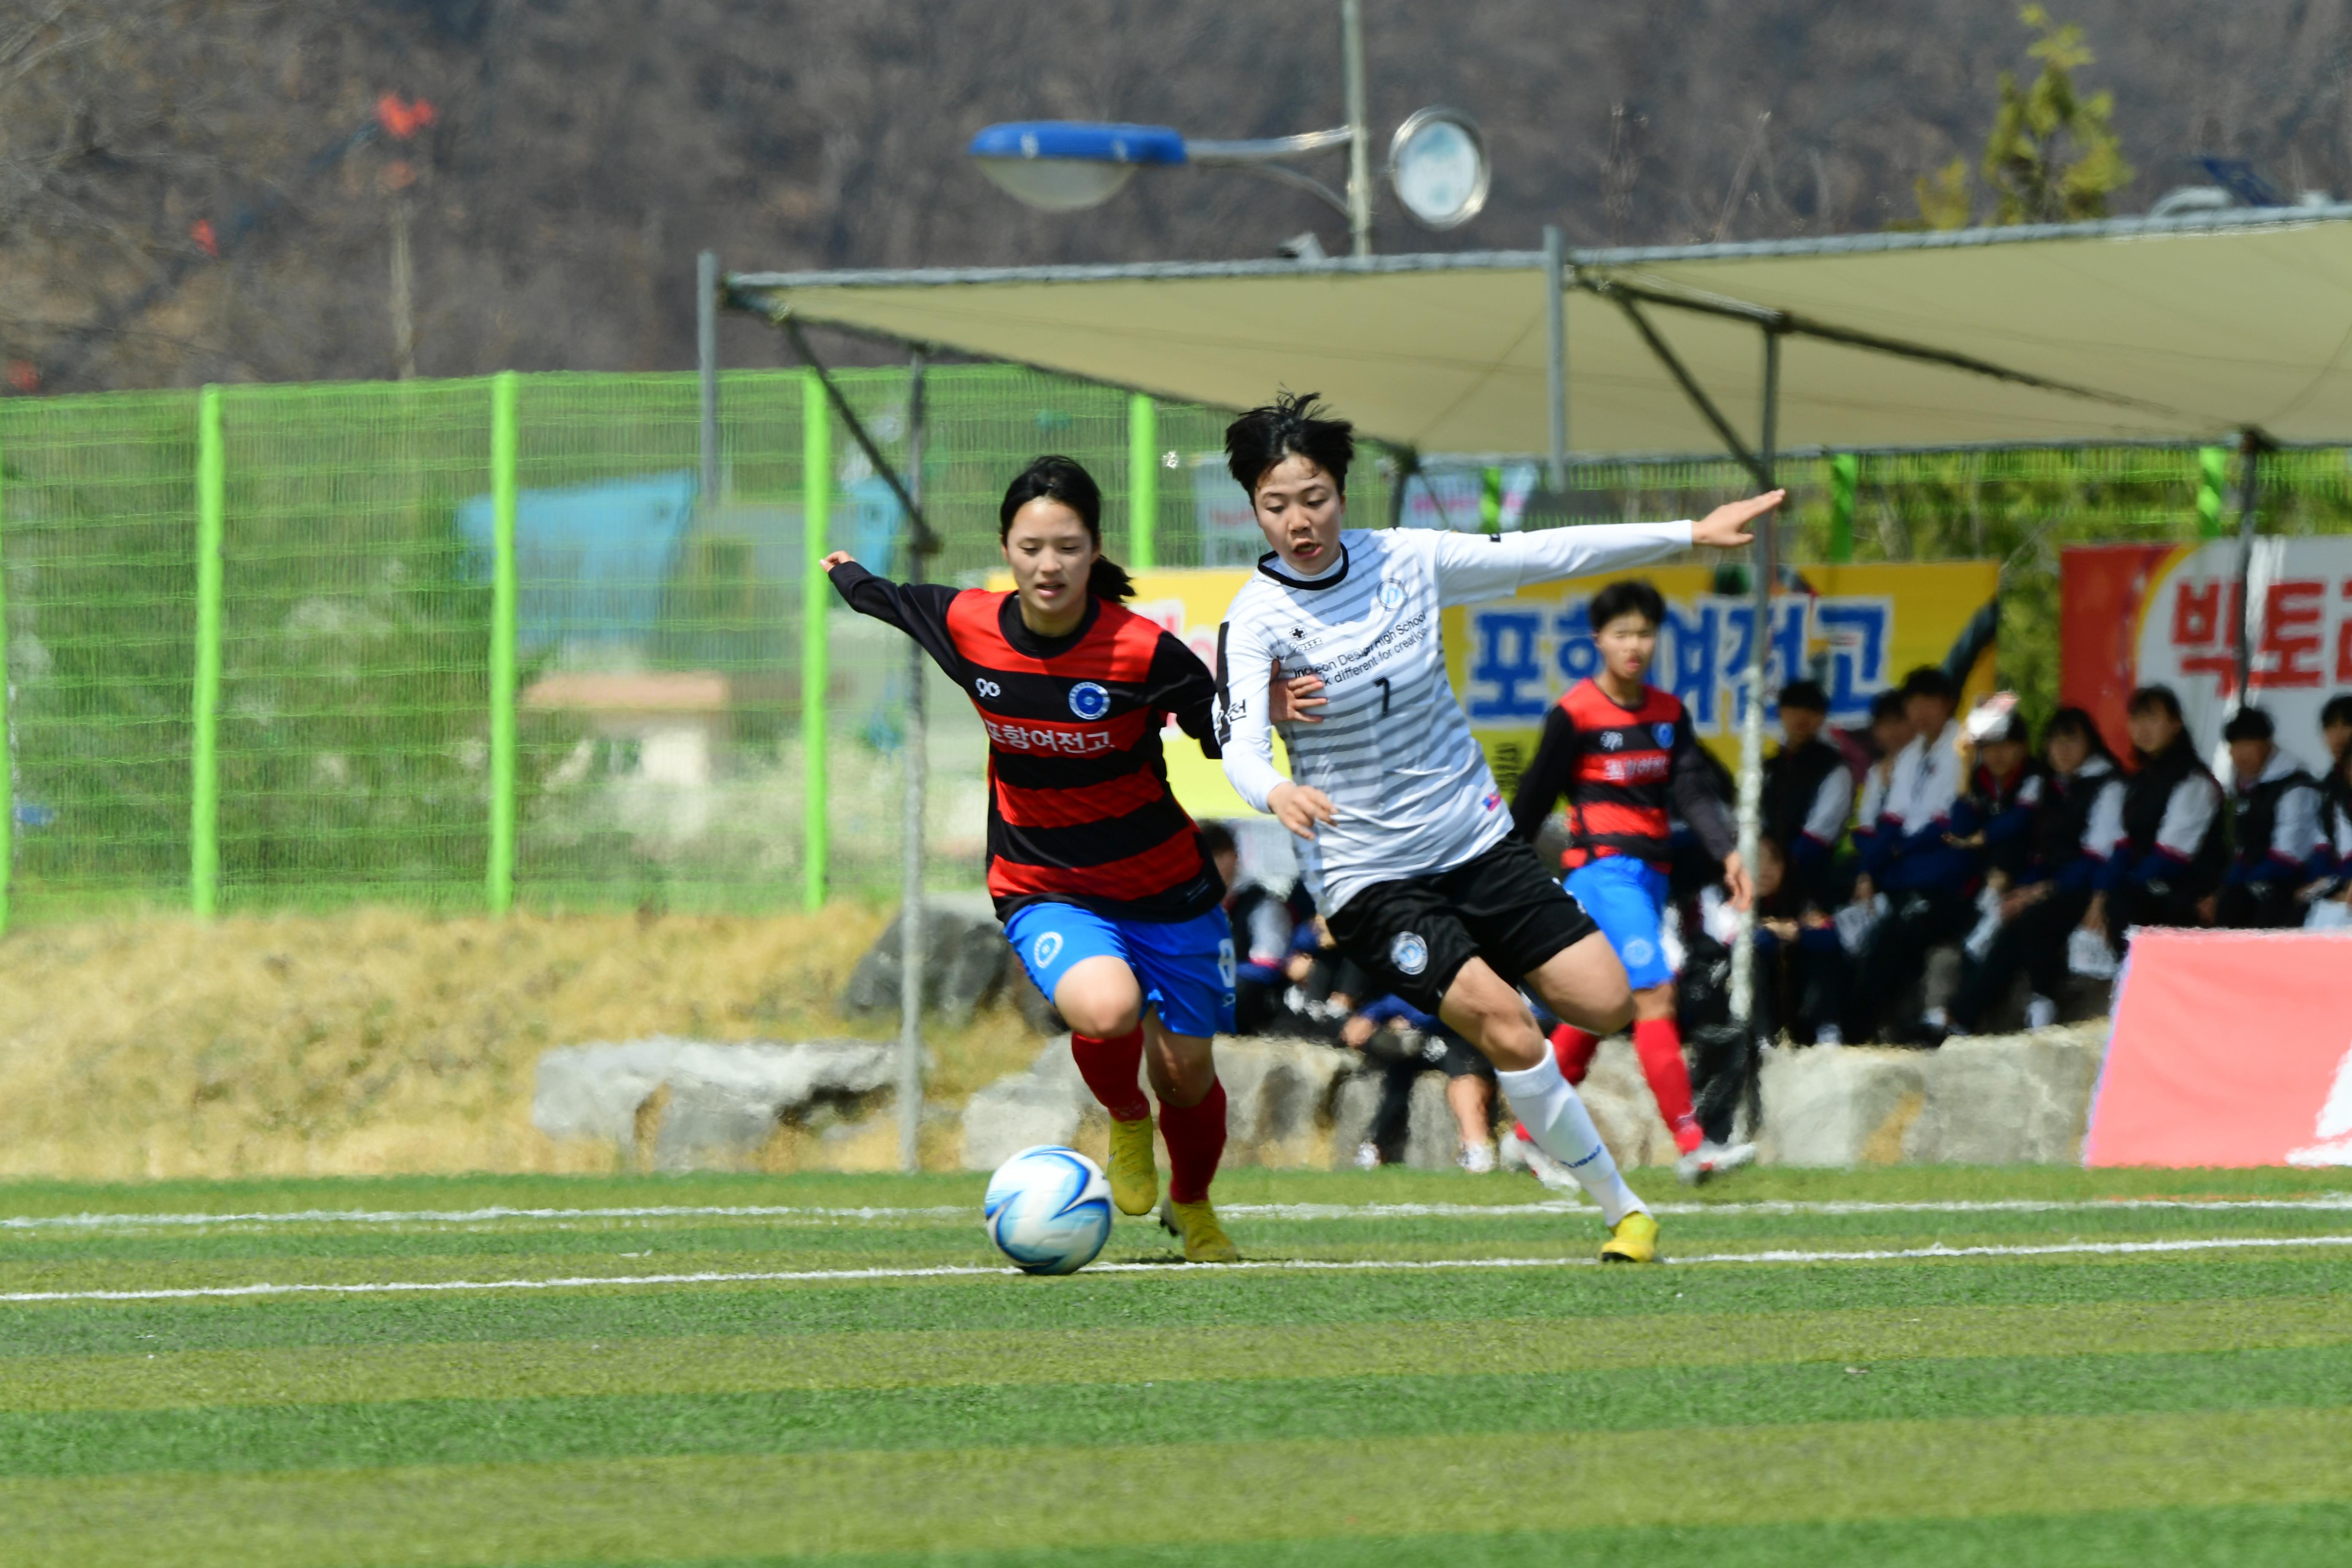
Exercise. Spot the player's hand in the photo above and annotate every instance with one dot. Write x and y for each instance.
(839, 558)
(1735, 880)
(1725, 527)
(1288, 701)
(1300, 808)
(1356, 1032)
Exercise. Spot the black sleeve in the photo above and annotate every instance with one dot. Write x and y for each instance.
(1182, 685)
(1696, 795)
(918, 609)
(1548, 776)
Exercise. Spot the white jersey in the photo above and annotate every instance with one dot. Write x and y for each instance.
(1411, 789)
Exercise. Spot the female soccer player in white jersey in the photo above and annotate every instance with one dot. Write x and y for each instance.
(1424, 884)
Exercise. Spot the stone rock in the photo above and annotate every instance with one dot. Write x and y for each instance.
(1046, 1104)
(723, 1101)
(2016, 1100)
(1279, 1098)
(1035, 1010)
(965, 961)
(1839, 1106)
(1432, 1141)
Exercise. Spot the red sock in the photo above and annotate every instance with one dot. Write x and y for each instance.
(1659, 1043)
(1195, 1136)
(1111, 1069)
(1573, 1048)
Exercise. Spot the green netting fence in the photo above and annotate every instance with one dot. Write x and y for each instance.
(686, 723)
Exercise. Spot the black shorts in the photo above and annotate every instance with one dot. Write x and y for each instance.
(1414, 934)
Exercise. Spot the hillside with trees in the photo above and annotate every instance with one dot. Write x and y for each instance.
(197, 190)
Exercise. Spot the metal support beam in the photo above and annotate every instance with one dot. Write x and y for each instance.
(1764, 568)
(922, 539)
(1360, 152)
(1697, 394)
(2250, 447)
(1556, 359)
(706, 353)
(913, 755)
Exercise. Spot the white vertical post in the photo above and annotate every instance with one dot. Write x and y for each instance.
(1360, 152)
(1751, 723)
(910, 873)
(1556, 364)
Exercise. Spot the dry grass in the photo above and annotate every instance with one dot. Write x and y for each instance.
(379, 1041)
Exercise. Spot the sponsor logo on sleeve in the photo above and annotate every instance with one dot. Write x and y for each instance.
(1088, 701)
(1408, 955)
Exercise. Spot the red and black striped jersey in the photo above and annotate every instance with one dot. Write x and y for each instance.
(1626, 772)
(1079, 811)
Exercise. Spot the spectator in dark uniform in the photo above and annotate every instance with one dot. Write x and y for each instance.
(1808, 794)
(2080, 802)
(1402, 1043)
(2168, 855)
(2333, 887)
(1912, 861)
(2273, 828)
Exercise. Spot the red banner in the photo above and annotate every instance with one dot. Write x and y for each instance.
(2230, 1049)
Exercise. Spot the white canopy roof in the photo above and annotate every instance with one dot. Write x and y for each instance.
(2179, 329)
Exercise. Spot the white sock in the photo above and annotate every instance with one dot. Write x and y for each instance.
(1546, 1105)
(2041, 1012)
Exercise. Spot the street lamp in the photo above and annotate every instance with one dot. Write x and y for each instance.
(1437, 159)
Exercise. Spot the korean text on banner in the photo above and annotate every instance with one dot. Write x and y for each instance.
(1855, 629)
(2150, 614)
(2229, 1049)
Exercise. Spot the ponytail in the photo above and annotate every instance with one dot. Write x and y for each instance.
(1106, 579)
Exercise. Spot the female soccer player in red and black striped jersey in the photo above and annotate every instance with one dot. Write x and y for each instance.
(1098, 872)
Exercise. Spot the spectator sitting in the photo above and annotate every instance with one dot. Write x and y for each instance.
(2330, 895)
(1808, 793)
(1403, 1043)
(1262, 923)
(1323, 985)
(2167, 856)
(2043, 900)
(1890, 732)
(1914, 862)
(2275, 828)
(1801, 967)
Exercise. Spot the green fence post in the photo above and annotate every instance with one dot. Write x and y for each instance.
(203, 763)
(2213, 481)
(7, 752)
(817, 597)
(1142, 483)
(503, 449)
(1845, 477)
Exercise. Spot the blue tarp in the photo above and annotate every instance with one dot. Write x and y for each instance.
(591, 562)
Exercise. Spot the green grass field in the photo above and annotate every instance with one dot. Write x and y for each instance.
(1415, 1369)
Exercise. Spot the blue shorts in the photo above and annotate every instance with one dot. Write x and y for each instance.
(1185, 967)
(1627, 900)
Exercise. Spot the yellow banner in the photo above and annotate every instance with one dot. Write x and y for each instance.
(1858, 631)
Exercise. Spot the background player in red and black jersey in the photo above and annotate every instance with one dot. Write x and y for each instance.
(1622, 752)
(1105, 891)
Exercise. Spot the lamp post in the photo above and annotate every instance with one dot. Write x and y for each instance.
(1437, 159)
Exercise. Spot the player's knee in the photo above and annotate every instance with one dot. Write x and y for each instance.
(1099, 1011)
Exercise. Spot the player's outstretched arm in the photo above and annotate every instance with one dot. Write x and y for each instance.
(1472, 567)
(919, 609)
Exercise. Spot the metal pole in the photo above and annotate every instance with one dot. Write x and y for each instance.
(505, 447)
(1751, 722)
(1359, 152)
(817, 600)
(706, 350)
(203, 760)
(911, 874)
(2250, 495)
(8, 748)
(1142, 483)
(1556, 363)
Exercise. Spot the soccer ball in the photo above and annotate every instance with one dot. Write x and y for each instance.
(1049, 1209)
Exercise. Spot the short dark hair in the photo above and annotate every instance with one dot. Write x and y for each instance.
(1930, 680)
(1887, 704)
(2145, 697)
(1056, 478)
(1805, 694)
(2249, 724)
(2336, 709)
(1291, 425)
(1216, 838)
(1628, 596)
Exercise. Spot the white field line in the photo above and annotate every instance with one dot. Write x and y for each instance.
(1185, 1270)
(2319, 1204)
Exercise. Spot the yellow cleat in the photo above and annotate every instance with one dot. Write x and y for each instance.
(1634, 1239)
(1196, 1226)
(1134, 1179)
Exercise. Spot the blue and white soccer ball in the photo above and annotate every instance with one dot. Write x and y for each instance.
(1049, 1209)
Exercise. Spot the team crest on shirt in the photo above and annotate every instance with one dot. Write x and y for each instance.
(1666, 734)
(1408, 955)
(1393, 595)
(1088, 701)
